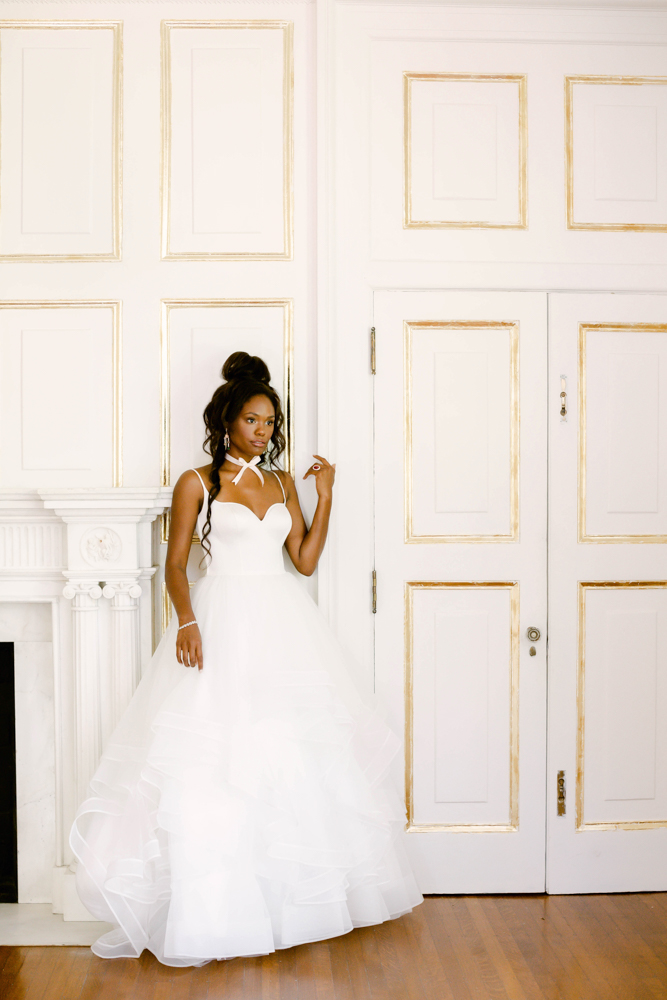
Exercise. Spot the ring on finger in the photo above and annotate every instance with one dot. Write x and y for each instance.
(316, 468)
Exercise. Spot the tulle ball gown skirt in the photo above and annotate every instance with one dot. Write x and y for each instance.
(248, 806)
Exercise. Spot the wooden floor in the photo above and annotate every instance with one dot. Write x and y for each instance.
(450, 948)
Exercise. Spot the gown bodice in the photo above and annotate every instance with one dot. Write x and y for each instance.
(241, 543)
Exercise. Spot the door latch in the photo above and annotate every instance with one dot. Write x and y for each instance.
(560, 783)
(563, 399)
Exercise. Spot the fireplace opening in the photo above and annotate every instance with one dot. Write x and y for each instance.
(8, 841)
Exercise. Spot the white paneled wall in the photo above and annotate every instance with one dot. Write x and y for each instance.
(617, 152)
(60, 404)
(623, 418)
(60, 114)
(454, 150)
(465, 151)
(227, 135)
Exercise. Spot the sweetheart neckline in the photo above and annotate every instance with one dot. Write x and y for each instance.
(234, 503)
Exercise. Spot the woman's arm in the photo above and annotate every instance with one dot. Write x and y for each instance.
(305, 545)
(185, 506)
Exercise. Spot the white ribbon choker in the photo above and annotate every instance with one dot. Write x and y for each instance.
(252, 465)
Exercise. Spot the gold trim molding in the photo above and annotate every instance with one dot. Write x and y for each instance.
(619, 227)
(513, 329)
(582, 533)
(580, 823)
(116, 364)
(287, 27)
(513, 825)
(116, 143)
(411, 223)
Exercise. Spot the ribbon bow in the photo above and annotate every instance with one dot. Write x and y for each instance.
(252, 465)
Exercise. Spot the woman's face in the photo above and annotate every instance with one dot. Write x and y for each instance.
(252, 429)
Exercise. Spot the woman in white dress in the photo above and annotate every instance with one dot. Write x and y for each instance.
(244, 804)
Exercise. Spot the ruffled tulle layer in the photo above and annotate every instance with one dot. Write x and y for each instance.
(249, 806)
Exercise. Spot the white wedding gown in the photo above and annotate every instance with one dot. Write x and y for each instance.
(248, 806)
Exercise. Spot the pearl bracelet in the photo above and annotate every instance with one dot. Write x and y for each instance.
(186, 625)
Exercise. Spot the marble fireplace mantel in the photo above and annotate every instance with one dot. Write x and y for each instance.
(88, 552)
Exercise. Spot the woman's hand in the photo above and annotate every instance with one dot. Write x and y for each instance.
(188, 647)
(324, 476)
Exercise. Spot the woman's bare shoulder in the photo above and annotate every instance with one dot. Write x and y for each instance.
(189, 483)
(285, 479)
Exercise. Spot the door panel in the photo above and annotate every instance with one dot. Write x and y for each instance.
(460, 458)
(608, 594)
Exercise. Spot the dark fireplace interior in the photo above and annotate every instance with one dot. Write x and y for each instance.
(8, 844)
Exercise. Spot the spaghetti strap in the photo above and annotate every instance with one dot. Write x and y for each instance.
(200, 480)
(281, 485)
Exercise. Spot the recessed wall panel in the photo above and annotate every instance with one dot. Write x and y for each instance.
(462, 705)
(616, 147)
(227, 139)
(461, 400)
(465, 151)
(56, 369)
(60, 394)
(197, 337)
(622, 704)
(60, 122)
(623, 420)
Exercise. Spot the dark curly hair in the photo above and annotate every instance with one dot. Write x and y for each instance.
(245, 377)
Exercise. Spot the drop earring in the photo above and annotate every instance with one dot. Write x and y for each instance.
(226, 441)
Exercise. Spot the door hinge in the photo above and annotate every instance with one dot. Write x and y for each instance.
(372, 350)
(374, 579)
(560, 786)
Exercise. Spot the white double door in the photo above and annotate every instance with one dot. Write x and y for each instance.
(470, 540)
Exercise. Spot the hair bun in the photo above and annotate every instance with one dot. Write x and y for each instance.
(241, 365)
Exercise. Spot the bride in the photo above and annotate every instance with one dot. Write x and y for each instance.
(244, 801)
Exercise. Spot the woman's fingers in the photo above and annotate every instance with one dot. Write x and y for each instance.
(189, 653)
(318, 466)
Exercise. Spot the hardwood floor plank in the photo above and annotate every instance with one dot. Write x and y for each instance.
(420, 942)
(650, 922)
(287, 977)
(30, 971)
(361, 989)
(12, 967)
(502, 966)
(551, 964)
(511, 949)
(377, 983)
(77, 974)
(480, 978)
(269, 976)
(617, 917)
(60, 969)
(582, 973)
(400, 963)
(614, 971)
(446, 945)
(340, 969)
(611, 947)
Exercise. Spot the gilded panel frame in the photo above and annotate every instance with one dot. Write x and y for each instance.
(582, 534)
(512, 826)
(116, 364)
(580, 824)
(515, 426)
(117, 139)
(619, 227)
(522, 80)
(287, 27)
